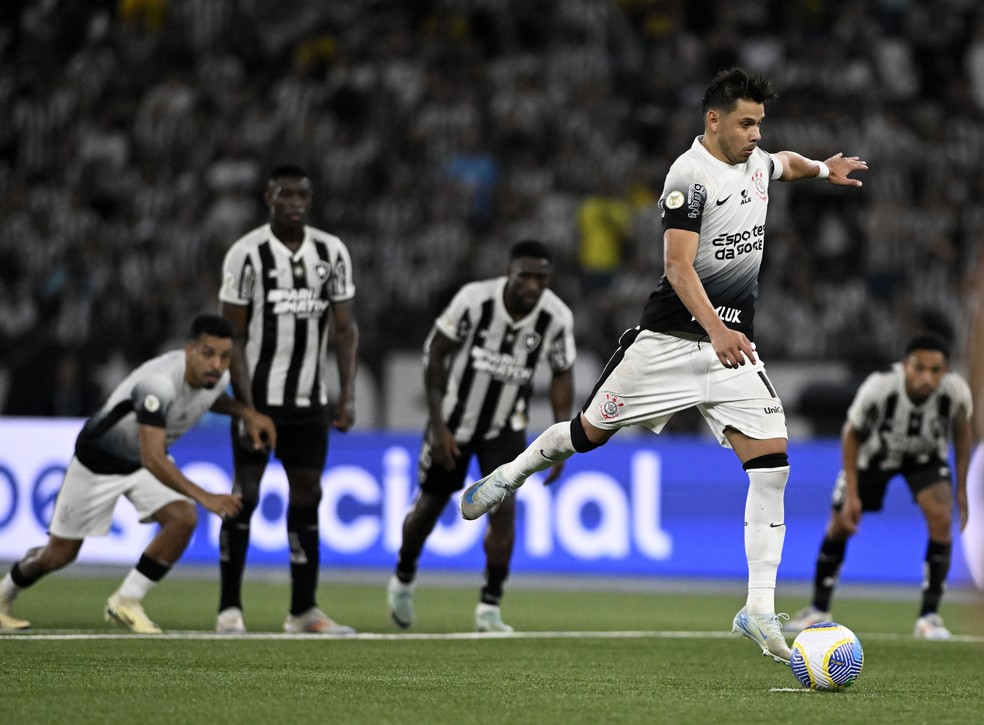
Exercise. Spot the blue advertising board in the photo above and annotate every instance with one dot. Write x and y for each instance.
(642, 505)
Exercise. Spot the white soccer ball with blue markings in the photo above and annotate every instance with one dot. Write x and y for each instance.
(827, 656)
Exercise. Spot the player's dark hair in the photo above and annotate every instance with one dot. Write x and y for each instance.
(287, 171)
(733, 84)
(213, 325)
(530, 248)
(927, 341)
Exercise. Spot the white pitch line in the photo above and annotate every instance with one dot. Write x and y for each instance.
(364, 636)
(66, 635)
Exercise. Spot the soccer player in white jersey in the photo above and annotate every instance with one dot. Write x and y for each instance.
(480, 359)
(694, 345)
(122, 451)
(900, 424)
(282, 283)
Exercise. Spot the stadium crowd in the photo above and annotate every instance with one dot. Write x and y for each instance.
(137, 134)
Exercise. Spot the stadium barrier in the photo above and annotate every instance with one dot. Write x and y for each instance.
(639, 506)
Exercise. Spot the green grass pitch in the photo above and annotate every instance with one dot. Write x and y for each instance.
(647, 656)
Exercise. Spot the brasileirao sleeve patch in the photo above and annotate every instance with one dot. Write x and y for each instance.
(674, 200)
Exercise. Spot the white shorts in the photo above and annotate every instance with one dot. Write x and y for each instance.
(85, 503)
(658, 375)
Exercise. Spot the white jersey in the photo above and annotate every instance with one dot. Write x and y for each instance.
(156, 394)
(894, 430)
(491, 376)
(289, 295)
(726, 205)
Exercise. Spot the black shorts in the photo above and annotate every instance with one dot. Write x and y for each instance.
(302, 440)
(436, 480)
(872, 485)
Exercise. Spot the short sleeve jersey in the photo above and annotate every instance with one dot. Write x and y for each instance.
(725, 204)
(155, 394)
(895, 431)
(491, 375)
(288, 296)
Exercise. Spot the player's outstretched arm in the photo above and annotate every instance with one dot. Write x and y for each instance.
(153, 456)
(837, 169)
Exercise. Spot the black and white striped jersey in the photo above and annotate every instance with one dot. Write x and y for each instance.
(156, 394)
(726, 205)
(894, 430)
(491, 375)
(289, 295)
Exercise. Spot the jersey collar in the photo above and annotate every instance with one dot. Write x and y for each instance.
(274, 239)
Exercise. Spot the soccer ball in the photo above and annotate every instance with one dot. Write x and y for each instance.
(827, 656)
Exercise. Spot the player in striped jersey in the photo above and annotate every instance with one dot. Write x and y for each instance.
(480, 359)
(900, 424)
(122, 451)
(282, 282)
(694, 344)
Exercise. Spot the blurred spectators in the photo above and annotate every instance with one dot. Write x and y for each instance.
(137, 134)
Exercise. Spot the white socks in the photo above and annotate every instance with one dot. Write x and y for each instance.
(8, 592)
(135, 586)
(765, 531)
(550, 447)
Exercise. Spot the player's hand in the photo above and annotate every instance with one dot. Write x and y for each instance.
(850, 513)
(223, 505)
(841, 166)
(732, 347)
(444, 448)
(344, 415)
(962, 508)
(555, 471)
(258, 431)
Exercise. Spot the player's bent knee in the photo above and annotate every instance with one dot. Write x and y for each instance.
(179, 516)
(579, 437)
(305, 493)
(60, 554)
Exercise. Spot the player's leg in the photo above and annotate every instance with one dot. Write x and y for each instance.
(84, 508)
(500, 535)
(177, 517)
(603, 414)
(436, 485)
(936, 502)
(743, 410)
(303, 449)
(833, 548)
(56, 554)
(248, 468)
(557, 443)
(417, 526)
(767, 467)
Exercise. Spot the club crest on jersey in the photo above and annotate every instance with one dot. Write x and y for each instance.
(610, 406)
(531, 340)
(322, 270)
(758, 180)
